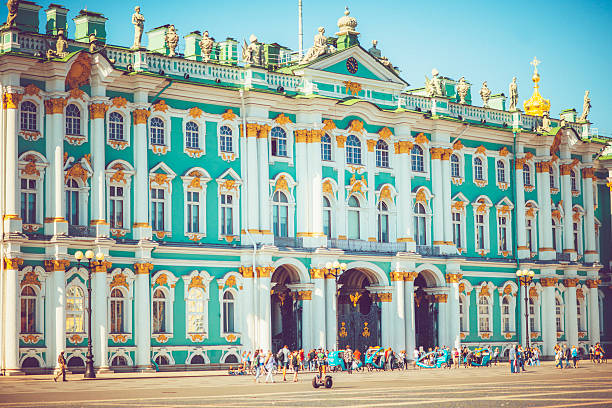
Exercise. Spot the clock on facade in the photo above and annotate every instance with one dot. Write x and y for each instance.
(352, 65)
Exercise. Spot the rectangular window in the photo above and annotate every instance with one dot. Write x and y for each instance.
(72, 207)
(116, 316)
(227, 217)
(28, 201)
(457, 230)
(193, 211)
(327, 223)
(353, 224)
(503, 233)
(116, 207)
(480, 232)
(157, 209)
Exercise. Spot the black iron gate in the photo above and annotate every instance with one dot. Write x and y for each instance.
(359, 330)
(291, 323)
(425, 319)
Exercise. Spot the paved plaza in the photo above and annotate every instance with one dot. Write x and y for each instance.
(543, 386)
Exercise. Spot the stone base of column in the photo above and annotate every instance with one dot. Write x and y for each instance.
(13, 372)
(101, 227)
(313, 240)
(12, 224)
(523, 253)
(266, 237)
(449, 248)
(547, 254)
(591, 257)
(145, 369)
(142, 231)
(56, 226)
(103, 370)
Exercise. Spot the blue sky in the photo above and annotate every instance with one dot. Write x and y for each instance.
(481, 40)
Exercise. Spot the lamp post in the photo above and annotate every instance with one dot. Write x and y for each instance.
(89, 255)
(335, 269)
(525, 277)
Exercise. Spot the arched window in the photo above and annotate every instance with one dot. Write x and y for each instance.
(119, 361)
(577, 231)
(559, 315)
(382, 154)
(278, 139)
(327, 217)
(29, 195)
(573, 180)
(228, 312)
(117, 311)
(157, 130)
(28, 310)
(501, 171)
(353, 150)
(28, 117)
(354, 228)
(73, 120)
(326, 148)
(383, 222)
(159, 311)
(505, 315)
(192, 135)
(115, 126)
(478, 169)
(463, 327)
(72, 201)
(280, 214)
(417, 159)
(526, 175)
(484, 318)
(197, 359)
(420, 224)
(195, 311)
(75, 306)
(454, 165)
(162, 360)
(225, 139)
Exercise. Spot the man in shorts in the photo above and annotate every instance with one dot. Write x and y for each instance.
(284, 360)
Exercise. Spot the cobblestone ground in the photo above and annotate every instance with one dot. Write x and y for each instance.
(587, 386)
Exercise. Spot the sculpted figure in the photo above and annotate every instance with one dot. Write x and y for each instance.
(485, 94)
(545, 123)
(433, 87)
(138, 21)
(385, 61)
(586, 107)
(92, 43)
(319, 48)
(462, 90)
(513, 95)
(60, 47)
(252, 53)
(206, 45)
(13, 8)
(172, 39)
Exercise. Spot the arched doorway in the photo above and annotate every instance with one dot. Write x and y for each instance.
(425, 314)
(286, 310)
(359, 320)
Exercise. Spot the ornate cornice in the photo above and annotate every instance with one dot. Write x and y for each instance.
(13, 263)
(52, 265)
(141, 116)
(547, 282)
(55, 106)
(143, 268)
(11, 100)
(98, 110)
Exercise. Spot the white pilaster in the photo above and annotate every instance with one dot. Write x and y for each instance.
(98, 188)
(409, 311)
(330, 314)
(546, 250)
(319, 309)
(142, 313)
(265, 307)
(341, 207)
(590, 253)
(521, 236)
(548, 323)
(251, 223)
(593, 309)
(307, 323)
(371, 224)
(438, 199)
(446, 200)
(142, 227)
(12, 215)
(454, 331)
(568, 226)
(264, 187)
(100, 318)
(405, 222)
(315, 179)
(55, 224)
(571, 316)
(398, 315)
(11, 322)
(443, 328)
(247, 294)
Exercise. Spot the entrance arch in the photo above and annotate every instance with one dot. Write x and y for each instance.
(359, 312)
(425, 310)
(286, 309)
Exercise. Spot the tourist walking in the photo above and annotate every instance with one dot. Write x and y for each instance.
(258, 361)
(61, 367)
(348, 359)
(559, 359)
(269, 365)
(295, 362)
(575, 355)
(512, 359)
(496, 356)
(283, 355)
(568, 355)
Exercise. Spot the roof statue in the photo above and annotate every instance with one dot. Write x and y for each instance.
(462, 90)
(485, 94)
(13, 9)
(586, 107)
(319, 47)
(375, 51)
(61, 47)
(545, 127)
(433, 87)
(172, 39)
(346, 24)
(536, 105)
(513, 88)
(138, 21)
(206, 45)
(252, 53)
(92, 43)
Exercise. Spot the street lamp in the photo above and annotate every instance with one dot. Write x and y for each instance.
(525, 277)
(89, 254)
(335, 269)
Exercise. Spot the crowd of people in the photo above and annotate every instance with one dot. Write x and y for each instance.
(571, 355)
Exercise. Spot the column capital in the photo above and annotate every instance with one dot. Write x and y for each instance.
(98, 110)
(519, 163)
(588, 172)
(453, 277)
(317, 273)
(303, 295)
(410, 276)
(264, 271)
(570, 283)
(371, 144)
(436, 153)
(102, 266)
(54, 106)
(593, 283)
(547, 282)
(396, 276)
(13, 263)
(52, 265)
(440, 298)
(403, 146)
(143, 268)
(11, 100)
(446, 154)
(140, 116)
(543, 167)
(340, 140)
(382, 297)
(263, 131)
(246, 271)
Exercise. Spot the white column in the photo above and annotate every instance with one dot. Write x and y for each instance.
(398, 314)
(303, 188)
(546, 250)
(11, 320)
(251, 221)
(446, 202)
(100, 318)
(387, 314)
(340, 205)
(265, 328)
(247, 297)
(59, 280)
(12, 215)
(438, 199)
(330, 313)
(307, 321)
(98, 188)
(571, 323)
(568, 225)
(593, 309)
(371, 221)
(442, 300)
(409, 311)
(142, 314)
(141, 228)
(520, 305)
(454, 331)
(55, 224)
(265, 224)
(405, 221)
(318, 308)
(548, 323)
(49, 283)
(315, 177)
(521, 236)
(590, 252)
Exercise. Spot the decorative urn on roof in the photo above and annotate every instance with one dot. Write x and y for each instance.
(347, 24)
(536, 105)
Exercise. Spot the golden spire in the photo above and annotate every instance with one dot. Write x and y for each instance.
(536, 105)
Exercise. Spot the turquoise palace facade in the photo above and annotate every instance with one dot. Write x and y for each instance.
(221, 187)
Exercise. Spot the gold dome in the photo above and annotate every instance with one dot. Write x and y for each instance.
(536, 105)
(347, 24)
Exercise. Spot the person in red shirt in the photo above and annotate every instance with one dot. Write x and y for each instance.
(357, 355)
